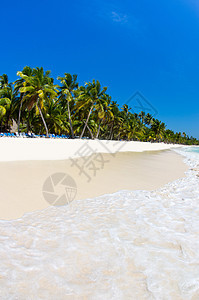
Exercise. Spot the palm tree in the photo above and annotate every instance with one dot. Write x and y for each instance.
(158, 128)
(147, 119)
(19, 83)
(108, 117)
(69, 85)
(103, 110)
(115, 119)
(4, 101)
(4, 107)
(8, 99)
(38, 89)
(141, 116)
(89, 96)
(4, 81)
(126, 110)
(56, 119)
(137, 128)
(76, 110)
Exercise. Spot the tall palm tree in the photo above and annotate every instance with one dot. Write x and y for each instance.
(115, 120)
(89, 96)
(103, 110)
(5, 102)
(158, 128)
(108, 116)
(19, 83)
(147, 119)
(38, 89)
(66, 95)
(56, 119)
(8, 99)
(4, 107)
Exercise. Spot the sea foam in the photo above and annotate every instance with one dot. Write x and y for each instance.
(127, 245)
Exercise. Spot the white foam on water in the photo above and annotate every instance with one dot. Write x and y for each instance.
(127, 245)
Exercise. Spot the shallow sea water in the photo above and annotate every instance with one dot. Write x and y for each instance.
(127, 245)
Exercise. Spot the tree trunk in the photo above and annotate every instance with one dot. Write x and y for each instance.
(28, 123)
(7, 121)
(86, 122)
(43, 119)
(98, 131)
(69, 117)
(111, 131)
(92, 137)
(19, 116)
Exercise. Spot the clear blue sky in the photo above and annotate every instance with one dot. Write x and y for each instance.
(149, 46)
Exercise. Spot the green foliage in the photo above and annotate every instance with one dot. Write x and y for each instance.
(40, 106)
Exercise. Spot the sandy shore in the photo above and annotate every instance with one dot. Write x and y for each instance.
(54, 149)
(140, 243)
(22, 182)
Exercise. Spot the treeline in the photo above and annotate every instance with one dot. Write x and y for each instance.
(38, 105)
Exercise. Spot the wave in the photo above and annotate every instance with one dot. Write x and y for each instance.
(127, 245)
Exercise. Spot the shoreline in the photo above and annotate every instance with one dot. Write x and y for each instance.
(95, 234)
(120, 235)
(131, 171)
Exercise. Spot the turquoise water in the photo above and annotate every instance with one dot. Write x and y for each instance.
(193, 149)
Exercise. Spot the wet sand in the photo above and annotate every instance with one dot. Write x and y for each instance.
(22, 181)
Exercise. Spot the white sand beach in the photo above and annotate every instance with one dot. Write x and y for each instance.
(15, 149)
(22, 182)
(130, 233)
(26, 164)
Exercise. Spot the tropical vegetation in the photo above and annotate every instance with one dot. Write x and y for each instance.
(36, 104)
